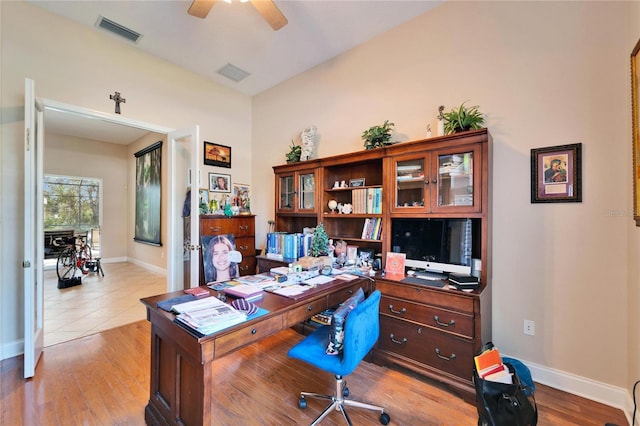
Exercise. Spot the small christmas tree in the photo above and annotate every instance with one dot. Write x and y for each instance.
(320, 241)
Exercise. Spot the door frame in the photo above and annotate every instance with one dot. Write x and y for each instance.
(34, 257)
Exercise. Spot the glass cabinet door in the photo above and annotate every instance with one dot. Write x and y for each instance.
(287, 193)
(410, 183)
(455, 179)
(307, 191)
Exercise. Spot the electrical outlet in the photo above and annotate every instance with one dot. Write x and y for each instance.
(529, 328)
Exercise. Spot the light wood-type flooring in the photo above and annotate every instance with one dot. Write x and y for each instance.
(99, 303)
(103, 379)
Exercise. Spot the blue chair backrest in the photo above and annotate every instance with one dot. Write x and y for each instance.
(361, 330)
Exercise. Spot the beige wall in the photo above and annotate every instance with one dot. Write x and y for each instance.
(81, 66)
(545, 73)
(72, 156)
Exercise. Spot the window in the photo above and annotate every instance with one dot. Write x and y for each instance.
(71, 203)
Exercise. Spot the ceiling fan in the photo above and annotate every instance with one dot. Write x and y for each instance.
(266, 8)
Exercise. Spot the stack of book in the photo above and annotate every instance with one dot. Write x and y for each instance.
(463, 282)
(245, 291)
(207, 315)
(489, 366)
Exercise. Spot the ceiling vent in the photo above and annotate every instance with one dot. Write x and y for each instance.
(118, 29)
(232, 72)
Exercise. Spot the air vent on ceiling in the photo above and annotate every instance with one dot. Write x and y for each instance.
(232, 72)
(118, 29)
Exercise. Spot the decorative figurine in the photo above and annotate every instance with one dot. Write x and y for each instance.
(308, 138)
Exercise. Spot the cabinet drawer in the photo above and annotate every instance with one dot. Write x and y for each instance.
(306, 311)
(248, 266)
(239, 227)
(431, 316)
(446, 298)
(246, 246)
(251, 333)
(433, 348)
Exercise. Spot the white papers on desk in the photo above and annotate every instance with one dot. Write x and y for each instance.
(291, 290)
(320, 279)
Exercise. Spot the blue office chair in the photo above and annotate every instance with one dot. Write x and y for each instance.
(361, 331)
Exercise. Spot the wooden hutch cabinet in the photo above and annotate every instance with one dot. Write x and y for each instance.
(434, 331)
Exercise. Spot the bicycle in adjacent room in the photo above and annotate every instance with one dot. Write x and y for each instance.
(76, 256)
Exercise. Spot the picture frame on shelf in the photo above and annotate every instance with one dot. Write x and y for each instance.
(203, 195)
(242, 197)
(354, 183)
(217, 155)
(556, 174)
(219, 182)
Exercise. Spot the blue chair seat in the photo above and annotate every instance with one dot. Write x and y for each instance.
(361, 331)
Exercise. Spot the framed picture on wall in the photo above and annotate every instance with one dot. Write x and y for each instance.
(217, 155)
(219, 182)
(148, 191)
(556, 174)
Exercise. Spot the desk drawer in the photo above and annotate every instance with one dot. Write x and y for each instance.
(304, 312)
(349, 290)
(435, 349)
(451, 299)
(249, 334)
(431, 316)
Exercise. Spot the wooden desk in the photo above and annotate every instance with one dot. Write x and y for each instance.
(181, 391)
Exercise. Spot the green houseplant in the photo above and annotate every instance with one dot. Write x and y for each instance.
(462, 119)
(378, 136)
(293, 156)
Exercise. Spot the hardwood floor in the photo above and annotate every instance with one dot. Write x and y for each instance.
(103, 379)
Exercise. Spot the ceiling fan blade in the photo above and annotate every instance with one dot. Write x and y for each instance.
(200, 8)
(271, 13)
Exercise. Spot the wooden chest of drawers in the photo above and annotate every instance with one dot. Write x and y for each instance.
(241, 227)
(432, 331)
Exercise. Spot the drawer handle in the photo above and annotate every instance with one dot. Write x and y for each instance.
(214, 229)
(399, 342)
(254, 331)
(443, 324)
(452, 357)
(310, 308)
(401, 311)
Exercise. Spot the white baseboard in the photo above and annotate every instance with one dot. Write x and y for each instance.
(147, 266)
(604, 393)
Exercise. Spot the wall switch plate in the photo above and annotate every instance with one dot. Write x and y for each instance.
(529, 328)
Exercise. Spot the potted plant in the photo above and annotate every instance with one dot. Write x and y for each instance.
(462, 119)
(378, 136)
(293, 156)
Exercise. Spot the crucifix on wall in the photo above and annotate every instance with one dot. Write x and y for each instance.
(118, 100)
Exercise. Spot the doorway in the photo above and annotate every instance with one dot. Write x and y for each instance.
(99, 303)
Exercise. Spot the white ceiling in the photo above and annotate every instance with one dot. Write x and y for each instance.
(318, 30)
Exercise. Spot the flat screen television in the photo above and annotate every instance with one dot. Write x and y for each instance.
(437, 244)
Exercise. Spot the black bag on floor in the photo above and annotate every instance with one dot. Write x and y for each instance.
(69, 282)
(506, 404)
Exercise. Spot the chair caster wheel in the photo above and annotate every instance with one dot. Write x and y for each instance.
(345, 391)
(385, 419)
(302, 403)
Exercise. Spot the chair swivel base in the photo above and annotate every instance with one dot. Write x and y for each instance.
(338, 403)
